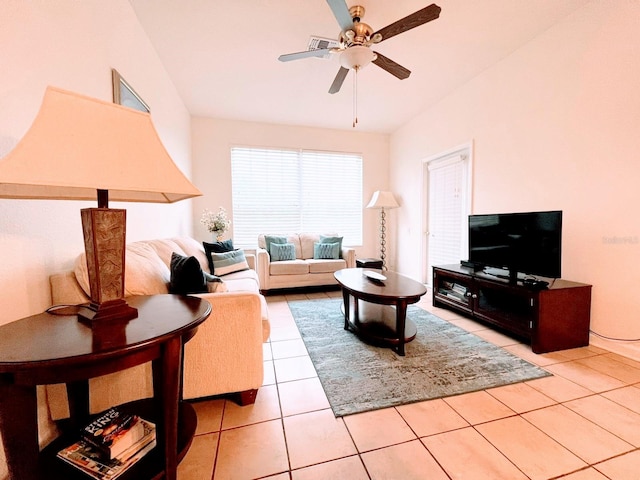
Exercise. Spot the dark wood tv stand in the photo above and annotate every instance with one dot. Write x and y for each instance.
(550, 319)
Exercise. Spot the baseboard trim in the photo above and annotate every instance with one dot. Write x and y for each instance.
(626, 349)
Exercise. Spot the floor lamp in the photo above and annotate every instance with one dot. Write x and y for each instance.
(382, 200)
(82, 148)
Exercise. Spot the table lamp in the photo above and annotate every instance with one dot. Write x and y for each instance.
(81, 148)
(382, 200)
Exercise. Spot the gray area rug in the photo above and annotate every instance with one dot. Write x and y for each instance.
(443, 360)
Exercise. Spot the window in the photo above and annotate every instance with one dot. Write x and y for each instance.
(293, 191)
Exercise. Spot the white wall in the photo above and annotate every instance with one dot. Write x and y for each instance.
(555, 126)
(73, 45)
(212, 140)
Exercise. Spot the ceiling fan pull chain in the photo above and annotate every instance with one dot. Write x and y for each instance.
(355, 96)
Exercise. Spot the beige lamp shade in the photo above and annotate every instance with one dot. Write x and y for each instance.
(382, 199)
(81, 148)
(78, 145)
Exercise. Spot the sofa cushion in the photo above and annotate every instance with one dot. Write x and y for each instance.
(145, 273)
(164, 248)
(229, 262)
(282, 251)
(216, 247)
(326, 266)
(242, 281)
(216, 286)
(241, 285)
(289, 267)
(193, 248)
(186, 275)
(308, 241)
(326, 251)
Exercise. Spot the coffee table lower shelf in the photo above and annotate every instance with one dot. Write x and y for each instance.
(151, 466)
(376, 324)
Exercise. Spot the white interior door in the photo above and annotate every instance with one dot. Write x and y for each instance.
(447, 198)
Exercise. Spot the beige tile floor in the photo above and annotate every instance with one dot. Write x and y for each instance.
(583, 423)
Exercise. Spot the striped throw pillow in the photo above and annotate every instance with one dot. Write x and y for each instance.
(229, 262)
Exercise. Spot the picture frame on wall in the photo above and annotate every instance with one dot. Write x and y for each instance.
(124, 94)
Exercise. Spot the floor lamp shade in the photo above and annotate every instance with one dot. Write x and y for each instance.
(82, 148)
(382, 199)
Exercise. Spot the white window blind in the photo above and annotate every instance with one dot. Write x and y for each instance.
(294, 191)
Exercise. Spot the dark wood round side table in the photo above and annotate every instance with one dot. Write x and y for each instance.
(49, 348)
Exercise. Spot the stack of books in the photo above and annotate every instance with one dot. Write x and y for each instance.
(110, 444)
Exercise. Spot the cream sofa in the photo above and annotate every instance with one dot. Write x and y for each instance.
(304, 270)
(225, 355)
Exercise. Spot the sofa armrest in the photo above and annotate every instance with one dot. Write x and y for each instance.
(349, 255)
(224, 356)
(226, 353)
(251, 260)
(65, 290)
(262, 267)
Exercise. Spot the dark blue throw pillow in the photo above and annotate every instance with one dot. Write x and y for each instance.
(217, 247)
(186, 275)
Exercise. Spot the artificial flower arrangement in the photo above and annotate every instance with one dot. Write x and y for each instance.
(216, 223)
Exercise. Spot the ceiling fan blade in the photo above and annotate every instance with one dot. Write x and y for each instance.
(392, 67)
(320, 52)
(339, 80)
(410, 21)
(341, 12)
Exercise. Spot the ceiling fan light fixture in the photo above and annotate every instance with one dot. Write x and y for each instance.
(357, 56)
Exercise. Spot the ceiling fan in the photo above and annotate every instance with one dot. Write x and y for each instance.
(356, 38)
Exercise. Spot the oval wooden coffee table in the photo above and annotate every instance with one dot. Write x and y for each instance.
(376, 310)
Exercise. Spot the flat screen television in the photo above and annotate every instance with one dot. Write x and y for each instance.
(526, 243)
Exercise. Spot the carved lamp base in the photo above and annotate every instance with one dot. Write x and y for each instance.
(104, 232)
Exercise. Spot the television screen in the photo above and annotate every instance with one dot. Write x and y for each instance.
(528, 243)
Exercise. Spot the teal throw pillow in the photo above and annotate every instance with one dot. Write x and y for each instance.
(326, 251)
(271, 239)
(338, 240)
(229, 262)
(284, 251)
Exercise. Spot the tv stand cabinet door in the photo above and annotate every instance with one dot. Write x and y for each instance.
(564, 316)
(507, 307)
(453, 290)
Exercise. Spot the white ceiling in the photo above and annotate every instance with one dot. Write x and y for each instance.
(223, 55)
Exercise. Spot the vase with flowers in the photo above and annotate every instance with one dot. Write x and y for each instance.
(217, 223)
